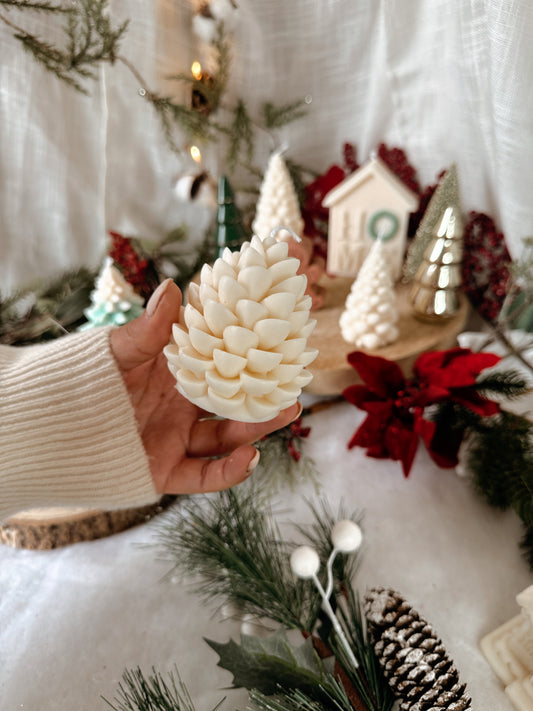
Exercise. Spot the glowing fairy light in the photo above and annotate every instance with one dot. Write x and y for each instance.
(196, 70)
(195, 154)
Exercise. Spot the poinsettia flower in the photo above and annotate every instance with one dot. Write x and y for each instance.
(454, 373)
(389, 430)
(395, 406)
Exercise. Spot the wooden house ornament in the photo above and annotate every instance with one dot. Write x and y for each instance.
(371, 203)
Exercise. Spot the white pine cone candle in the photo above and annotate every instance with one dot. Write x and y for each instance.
(278, 202)
(240, 348)
(370, 315)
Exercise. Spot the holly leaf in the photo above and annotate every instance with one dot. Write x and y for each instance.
(268, 664)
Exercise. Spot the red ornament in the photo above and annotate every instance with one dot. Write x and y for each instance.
(395, 405)
(485, 267)
(134, 268)
(396, 160)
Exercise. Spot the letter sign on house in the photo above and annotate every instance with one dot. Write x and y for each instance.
(371, 203)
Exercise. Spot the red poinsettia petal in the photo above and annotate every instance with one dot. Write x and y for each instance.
(368, 434)
(442, 445)
(402, 443)
(455, 367)
(382, 376)
(357, 394)
(474, 401)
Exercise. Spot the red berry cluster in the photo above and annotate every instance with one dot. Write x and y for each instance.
(134, 268)
(485, 265)
(295, 432)
(396, 160)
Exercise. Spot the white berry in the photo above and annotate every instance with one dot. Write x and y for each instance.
(346, 536)
(305, 562)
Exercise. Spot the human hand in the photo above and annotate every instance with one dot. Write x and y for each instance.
(177, 439)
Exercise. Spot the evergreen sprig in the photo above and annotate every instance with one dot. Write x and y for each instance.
(234, 549)
(137, 692)
(40, 313)
(36, 5)
(90, 40)
(275, 117)
(333, 698)
(368, 680)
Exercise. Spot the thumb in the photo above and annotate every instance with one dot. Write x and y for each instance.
(145, 337)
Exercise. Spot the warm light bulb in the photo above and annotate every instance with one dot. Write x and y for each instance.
(195, 154)
(196, 70)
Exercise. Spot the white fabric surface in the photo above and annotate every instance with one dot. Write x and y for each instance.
(445, 81)
(72, 619)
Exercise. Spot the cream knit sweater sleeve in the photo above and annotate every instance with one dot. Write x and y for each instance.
(68, 435)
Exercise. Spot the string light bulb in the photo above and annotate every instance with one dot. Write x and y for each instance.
(196, 70)
(195, 154)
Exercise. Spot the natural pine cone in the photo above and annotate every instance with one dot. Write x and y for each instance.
(240, 349)
(412, 657)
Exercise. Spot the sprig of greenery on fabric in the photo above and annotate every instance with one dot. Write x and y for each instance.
(232, 546)
(44, 311)
(90, 39)
(138, 692)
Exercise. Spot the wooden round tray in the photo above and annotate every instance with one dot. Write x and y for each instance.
(43, 529)
(331, 371)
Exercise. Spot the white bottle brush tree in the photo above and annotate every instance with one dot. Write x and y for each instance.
(370, 315)
(114, 302)
(278, 203)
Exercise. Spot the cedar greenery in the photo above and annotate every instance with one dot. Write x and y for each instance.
(91, 40)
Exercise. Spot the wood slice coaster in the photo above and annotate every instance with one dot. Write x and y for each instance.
(44, 529)
(331, 371)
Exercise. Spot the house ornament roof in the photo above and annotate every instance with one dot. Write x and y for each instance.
(376, 168)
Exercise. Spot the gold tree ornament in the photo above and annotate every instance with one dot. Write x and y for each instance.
(446, 195)
(435, 294)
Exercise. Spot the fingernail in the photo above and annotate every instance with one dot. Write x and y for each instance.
(298, 411)
(253, 462)
(153, 302)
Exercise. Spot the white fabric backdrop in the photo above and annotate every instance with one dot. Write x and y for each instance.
(445, 81)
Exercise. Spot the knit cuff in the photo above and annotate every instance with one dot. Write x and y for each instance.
(68, 435)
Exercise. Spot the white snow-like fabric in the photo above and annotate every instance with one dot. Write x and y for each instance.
(68, 435)
(240, 349)
(446, 81)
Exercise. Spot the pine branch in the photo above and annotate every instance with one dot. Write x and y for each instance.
(234, 547)
(279, 116)
(368, 680)
(32, 315)
(137, 692)
(240, 132)
(509, 384)
(500, 459)
(334, 699)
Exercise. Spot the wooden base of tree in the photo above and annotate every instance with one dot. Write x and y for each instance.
(43, 529)
(331, 371)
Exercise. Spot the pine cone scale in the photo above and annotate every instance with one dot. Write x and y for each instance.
(413, 658)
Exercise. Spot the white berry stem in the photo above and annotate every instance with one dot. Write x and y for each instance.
(329, 611)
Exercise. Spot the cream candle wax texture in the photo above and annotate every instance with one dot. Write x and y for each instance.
(240, 347)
